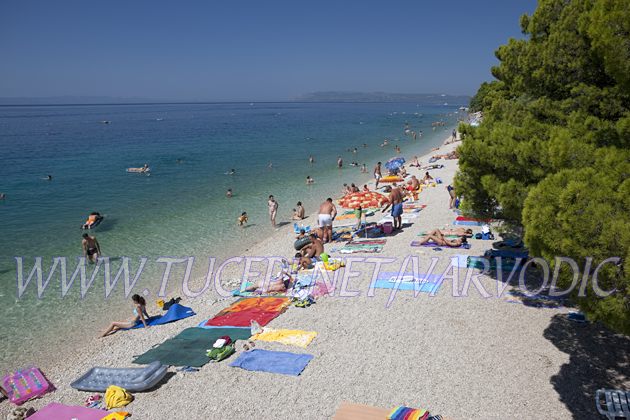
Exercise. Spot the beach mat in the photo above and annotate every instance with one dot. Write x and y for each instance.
(350, 411)
(289, 337)
(282, 362)
(188, 348)
(242, 312)
(366, 246)
(174, 313)
(422, 282)
(98, 379)
(469, 221)
(58, 411)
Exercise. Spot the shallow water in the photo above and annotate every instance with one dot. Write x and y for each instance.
(181, 208)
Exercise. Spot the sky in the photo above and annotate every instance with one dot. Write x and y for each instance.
(250, 50)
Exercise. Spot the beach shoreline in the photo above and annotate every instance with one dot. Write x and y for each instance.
(361, 353)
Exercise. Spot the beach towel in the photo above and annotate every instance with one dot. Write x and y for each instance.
(189, 347)
(272, 361)
(434, 245)
(468, 221)
(289, 337)
(242, 312)
(350, 411)
(365, 246)
(67, 412)
(422, 282)
(408, 413)
(174, 313)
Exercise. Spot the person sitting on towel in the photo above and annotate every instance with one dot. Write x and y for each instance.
(438, 238)
(139, 312)
(314, 249)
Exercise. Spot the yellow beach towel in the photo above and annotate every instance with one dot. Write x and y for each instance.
(116, 396)
(118, 415)
(290, 337)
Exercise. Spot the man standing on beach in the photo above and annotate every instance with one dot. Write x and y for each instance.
(377, 173)
(91, 247)
(395, 201)
(273, 210)
(327, 213)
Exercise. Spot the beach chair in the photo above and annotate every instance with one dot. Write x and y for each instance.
(613, 403)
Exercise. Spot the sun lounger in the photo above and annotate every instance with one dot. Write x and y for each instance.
(98, 379)
(613, 403)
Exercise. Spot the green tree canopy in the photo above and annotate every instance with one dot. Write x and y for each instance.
(553, 151)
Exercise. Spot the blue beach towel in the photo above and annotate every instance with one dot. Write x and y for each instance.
(388, 280)
(174, 313)
(282, 362)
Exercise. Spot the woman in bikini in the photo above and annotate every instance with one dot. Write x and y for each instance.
(140, 315)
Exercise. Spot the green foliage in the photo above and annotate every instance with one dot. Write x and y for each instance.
(552, 152)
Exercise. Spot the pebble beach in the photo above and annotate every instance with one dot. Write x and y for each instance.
(458, 353)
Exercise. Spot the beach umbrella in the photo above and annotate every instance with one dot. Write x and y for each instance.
(394, 163)
(365, 199)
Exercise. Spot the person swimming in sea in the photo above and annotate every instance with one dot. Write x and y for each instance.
(140, 315)
(228, 194)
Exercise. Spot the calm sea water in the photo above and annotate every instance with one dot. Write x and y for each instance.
(181, 208)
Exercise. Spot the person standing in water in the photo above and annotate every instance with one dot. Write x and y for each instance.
(311, 159)
(228, 194)
(272, 205)
(377, 173)
(339, 162)
(91, 248)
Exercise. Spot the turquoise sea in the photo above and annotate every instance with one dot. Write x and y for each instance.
(180, 209)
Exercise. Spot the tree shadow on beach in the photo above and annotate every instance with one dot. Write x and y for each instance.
(598, 358)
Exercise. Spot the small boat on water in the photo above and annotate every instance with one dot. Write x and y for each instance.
(143, 170)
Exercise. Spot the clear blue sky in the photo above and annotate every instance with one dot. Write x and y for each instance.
(250, 50)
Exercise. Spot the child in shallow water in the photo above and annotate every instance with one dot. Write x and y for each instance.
(242, 219)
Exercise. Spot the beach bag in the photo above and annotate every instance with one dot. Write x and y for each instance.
(301, 243)
(25, 384)
(221, 353)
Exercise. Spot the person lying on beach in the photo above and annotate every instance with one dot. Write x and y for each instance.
(242, 219)
(298, 212)
(464, 233)
(279, 284)
(139, 312)
(314, 249)
(91, 248)
(303, 262)
(438, 238)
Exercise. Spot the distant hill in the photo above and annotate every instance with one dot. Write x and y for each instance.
(421, 98)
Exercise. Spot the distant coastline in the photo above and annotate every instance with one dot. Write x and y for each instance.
(324, 97)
